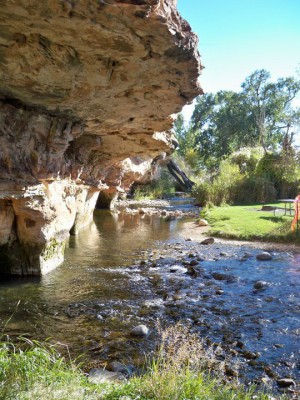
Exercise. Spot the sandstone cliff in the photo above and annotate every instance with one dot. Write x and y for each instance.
(88, 89)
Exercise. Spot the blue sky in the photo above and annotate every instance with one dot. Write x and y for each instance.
(236, 37)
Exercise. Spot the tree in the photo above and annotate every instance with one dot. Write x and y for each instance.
(271, 107)
(262, 113)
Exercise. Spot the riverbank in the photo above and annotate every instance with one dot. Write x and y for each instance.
(177, 372)
(191, 229)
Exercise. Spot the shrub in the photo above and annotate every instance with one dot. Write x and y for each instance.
(255, 190)
(223, 188)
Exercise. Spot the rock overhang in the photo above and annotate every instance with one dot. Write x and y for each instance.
(85, 85)
(118, 65)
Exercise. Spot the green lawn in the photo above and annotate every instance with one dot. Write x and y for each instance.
(249, 223)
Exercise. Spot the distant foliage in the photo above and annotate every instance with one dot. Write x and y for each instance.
(239, 146)
(250, 176)
(164, 186)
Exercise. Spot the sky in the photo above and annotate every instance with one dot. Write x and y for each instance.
(237, 37)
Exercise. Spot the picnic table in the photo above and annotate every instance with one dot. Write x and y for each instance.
(288, 208)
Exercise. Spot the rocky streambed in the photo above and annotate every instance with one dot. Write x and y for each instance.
(128, 270)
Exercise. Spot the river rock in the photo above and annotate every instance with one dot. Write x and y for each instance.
(140, 331)
(223, 277)
(229, 371)
(259, 285)
(177, 297)
(192, 272)
(117, 366)
(97, 375)
(285, 382)
(264, 256)
(209, 240)
(223, 254)
(249, 355)
(177, 268)
(203, 222)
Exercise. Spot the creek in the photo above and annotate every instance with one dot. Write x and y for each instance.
(125, 270)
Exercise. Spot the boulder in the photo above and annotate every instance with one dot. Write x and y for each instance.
(203, 222)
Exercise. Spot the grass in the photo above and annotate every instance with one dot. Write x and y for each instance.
(39, 372)
(181, 370)
(249, 223)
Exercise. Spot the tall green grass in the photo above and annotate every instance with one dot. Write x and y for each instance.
(32, 370)
(182, 369)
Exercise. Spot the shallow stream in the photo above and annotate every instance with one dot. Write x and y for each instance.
(125, 270)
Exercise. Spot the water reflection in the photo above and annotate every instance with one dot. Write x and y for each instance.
(111, 241)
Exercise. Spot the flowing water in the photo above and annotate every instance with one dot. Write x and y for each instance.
(125, 270)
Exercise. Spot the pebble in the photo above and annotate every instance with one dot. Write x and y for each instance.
(264, 256)
(140, 331)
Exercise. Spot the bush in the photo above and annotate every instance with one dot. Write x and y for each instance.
(223, 188)
(255, 190)
(283, 170)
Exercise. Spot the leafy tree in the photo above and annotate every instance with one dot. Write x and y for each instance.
(260, 114)
(270, 105)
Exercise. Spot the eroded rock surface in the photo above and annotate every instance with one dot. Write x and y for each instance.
(87, 94)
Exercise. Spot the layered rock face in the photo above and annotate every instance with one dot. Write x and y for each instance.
(88, 89)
